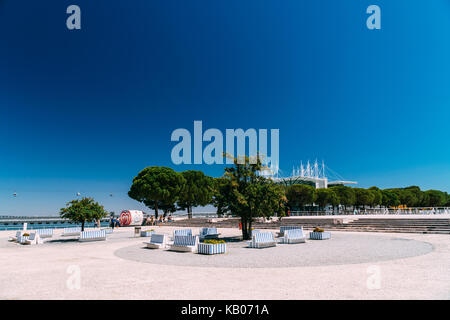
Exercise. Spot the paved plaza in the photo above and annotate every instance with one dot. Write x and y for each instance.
(348, 266)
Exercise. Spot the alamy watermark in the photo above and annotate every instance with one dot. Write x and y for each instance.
(213, 152)
(373, 282)
(73, 282)
(73, 21)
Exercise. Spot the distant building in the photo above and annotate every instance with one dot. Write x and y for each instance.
(313, 175)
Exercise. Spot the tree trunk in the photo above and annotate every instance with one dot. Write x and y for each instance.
(245, 231)
(156, 211)
(219, 211)
(82, 226)
(189, 209)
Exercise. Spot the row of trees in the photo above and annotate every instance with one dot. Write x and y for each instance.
(161, 188)
(240, 191)
(245, 193)
(301, 196)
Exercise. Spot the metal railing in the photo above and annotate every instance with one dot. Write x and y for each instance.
(32, 226)
(374, 211)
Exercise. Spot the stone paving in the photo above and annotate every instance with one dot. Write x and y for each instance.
(349, 266)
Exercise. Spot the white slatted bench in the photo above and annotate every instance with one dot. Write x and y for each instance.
(262, 240)
(73, 231)
(284, 228)
(293, 236)
(157, 241)
(182, 232)
(44, 233)
(22, 239)
(16, 237)
(108, 230)
(33, 238)
(208, 233)
(185, 244)
(96, 235)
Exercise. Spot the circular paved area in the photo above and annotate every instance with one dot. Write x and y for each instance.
(341, 249)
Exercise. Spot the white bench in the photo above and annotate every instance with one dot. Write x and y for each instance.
(185, 244)
(44, 233)
(262, 240)
(74, 231)
(16, 237)
(157, 241)
(293, 236)
(96, 235)
(182, 232)
(208, 233)
(108, 230)
(33, 238)
(284, 228)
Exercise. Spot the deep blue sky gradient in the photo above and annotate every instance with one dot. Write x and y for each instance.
(85, 111)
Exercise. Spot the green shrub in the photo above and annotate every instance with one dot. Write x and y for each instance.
(213, 241)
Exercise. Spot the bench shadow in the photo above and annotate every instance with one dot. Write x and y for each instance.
(232, 239)
(62, 240)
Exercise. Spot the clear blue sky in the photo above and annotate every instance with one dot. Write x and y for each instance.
(84, 111)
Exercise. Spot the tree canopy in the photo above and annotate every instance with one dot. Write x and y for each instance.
(157, 187)
(252, 195)
(197, 190)
(436, 198)
(84, 210)
(345, 194)
(363, 197)
(220, 199)
(244, 192)
(323, 197)
(299, 195)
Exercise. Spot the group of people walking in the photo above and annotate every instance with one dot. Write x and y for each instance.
(114, 222)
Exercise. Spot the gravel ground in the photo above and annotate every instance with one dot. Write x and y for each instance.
(341, 249)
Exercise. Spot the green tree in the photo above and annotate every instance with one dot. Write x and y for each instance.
(82, 211)
(167, 208)
(436, 198)
(299, 195)
(220, 199)
(197, 191)
(418, 195)
(345, 194)
(407, 198)
(377, 198)
(157, 187)
(390, 199)
(363, 197)
(324, 197)
(252, 195)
